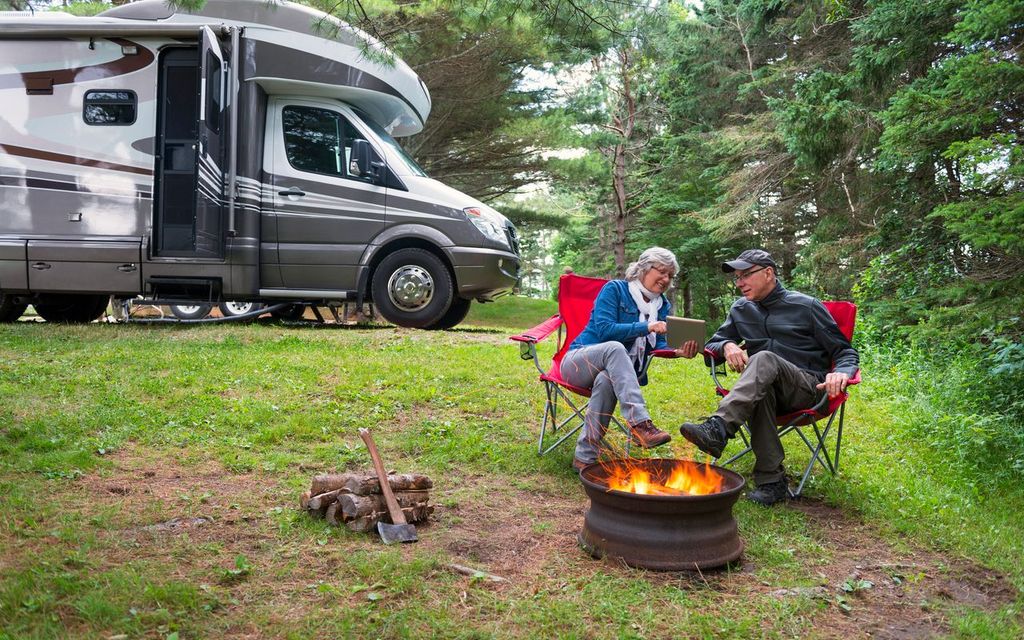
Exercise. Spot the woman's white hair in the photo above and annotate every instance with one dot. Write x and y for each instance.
(653, 257)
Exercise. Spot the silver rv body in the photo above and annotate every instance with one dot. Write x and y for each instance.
(240, 154)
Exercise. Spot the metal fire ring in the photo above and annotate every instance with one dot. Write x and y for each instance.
(411, 288)
(664, 533)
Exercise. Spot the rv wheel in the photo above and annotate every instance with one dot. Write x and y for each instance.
(191, 311)
(456, 314)
(71, 308)
(9, 309)
(412, 288)
(231, 309)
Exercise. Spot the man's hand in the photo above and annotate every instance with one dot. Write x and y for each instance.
(834, 383)
(735, 357)
(689, 349)
(658, 326)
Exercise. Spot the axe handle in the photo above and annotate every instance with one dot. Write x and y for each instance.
(397, 516)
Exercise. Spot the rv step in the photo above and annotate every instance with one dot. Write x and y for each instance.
(167, 288)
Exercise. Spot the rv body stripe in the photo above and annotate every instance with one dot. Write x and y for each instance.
(119, 67)
(24, 182)
(39, 154)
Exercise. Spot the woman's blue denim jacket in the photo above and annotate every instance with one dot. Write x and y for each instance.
(616, 317)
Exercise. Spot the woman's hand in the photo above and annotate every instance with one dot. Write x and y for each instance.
(688, 350)
(658, 326)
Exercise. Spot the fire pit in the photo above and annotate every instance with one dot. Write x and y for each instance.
(662, 514)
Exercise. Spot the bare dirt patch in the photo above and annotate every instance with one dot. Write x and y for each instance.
(867, 585)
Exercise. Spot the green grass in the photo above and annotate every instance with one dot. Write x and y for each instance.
(228, 423)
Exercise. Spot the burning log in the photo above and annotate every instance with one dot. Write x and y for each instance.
(356, 501)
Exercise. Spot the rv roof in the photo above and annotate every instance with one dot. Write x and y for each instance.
(282, 15)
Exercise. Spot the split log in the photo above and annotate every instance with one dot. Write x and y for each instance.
(362, 484)
(304, 500)
(332, 514)
(321, 500)
(366, 523)
(353, 506)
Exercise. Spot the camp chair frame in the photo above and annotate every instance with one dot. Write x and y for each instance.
(833, 410)
(576, 295)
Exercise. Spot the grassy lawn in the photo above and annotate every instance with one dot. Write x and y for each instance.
(150, 478)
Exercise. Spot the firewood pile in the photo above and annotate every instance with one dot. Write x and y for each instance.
(355, 499)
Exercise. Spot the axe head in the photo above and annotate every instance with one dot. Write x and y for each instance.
(392, 533)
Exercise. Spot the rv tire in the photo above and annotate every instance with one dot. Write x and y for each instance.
(455, 314)
(9, 309)
(190, 311)
(412, 288)
(71, 308)
(230, 309)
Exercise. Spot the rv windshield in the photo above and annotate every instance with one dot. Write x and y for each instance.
(391, 142)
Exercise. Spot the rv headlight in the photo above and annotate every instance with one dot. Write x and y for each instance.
(487, 223)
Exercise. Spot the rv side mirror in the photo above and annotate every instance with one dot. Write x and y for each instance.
(361, 156)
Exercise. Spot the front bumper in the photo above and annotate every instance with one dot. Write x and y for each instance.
(484, 274)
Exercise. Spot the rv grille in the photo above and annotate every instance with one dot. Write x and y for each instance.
(513, 238)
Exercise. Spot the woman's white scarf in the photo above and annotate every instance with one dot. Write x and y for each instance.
(648, 304)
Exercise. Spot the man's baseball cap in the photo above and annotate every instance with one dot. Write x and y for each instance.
(748, 259)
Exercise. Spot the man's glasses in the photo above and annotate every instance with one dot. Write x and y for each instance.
(743, 276)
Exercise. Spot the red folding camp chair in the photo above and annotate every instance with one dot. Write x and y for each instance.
(576, 296)
(845, 315)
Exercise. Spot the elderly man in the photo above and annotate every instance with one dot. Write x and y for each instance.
(787, 349)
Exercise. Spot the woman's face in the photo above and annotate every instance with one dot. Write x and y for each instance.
(658, 278)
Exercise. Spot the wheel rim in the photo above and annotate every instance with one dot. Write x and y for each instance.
(238, 308)
(188, 308)
(411, 288)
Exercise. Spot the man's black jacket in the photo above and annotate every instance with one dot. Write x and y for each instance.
(792, 325)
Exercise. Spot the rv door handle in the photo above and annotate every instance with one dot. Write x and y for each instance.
(292, 191)
(41, 266)
(127, 268)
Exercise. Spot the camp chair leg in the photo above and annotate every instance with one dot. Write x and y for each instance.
(839, 435)
(550, 418)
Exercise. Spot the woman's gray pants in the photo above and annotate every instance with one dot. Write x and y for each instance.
(607, 370)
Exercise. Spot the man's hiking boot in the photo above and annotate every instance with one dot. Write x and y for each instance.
(769, 494)
(647, 435)
(709, 436)
(577, 465)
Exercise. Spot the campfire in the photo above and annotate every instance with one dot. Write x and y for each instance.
(661, 514)
(684, 478)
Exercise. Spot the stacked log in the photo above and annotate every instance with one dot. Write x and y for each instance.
(355, 500)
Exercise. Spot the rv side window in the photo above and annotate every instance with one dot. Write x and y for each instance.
(109, 107)
(320, 141)
(213, 92)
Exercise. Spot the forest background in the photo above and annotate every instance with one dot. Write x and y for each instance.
(873, 147)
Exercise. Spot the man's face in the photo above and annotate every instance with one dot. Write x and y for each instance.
(756, 282)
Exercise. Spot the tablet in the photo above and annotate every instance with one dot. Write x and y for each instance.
(682, 330)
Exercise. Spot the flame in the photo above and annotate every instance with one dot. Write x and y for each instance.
(686, 478)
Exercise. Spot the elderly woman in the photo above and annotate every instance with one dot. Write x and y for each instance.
(610, 355)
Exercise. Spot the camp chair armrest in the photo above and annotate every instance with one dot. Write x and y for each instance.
(540, 332)
(666, 353)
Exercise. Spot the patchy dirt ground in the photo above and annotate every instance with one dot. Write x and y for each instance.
(521, 534)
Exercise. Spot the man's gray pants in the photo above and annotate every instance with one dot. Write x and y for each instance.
(769, 386)
(607, 370)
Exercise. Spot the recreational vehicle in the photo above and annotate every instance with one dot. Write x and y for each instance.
(245, 152)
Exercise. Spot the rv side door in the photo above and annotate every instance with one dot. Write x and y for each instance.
(209, 240)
